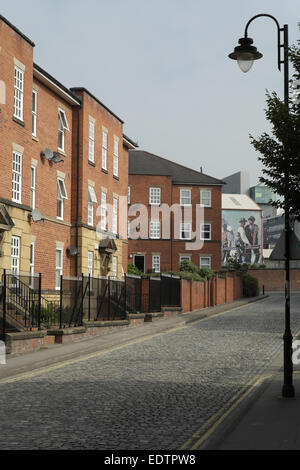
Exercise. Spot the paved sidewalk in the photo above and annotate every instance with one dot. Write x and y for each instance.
(268, 421)
(64, 352)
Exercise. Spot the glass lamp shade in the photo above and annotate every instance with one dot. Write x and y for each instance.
(245, 64)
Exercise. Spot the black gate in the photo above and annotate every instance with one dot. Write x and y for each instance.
(133, 293)
(170, 290)
(155, 295)
(107, 299)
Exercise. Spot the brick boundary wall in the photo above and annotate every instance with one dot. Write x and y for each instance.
(219, 290)
(274, 279)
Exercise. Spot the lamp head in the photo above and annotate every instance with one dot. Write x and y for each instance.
(245, 54)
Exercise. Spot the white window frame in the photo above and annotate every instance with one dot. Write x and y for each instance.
(185, 200)
(203, 231)
(61, 195)
(104, 149)
(115, 215)
(205, 265)
(186, 227)
(31, 264)
(115, 266)
(154, 196)
(62, 127)
(32, 186)
(203, 198)
(185, 258)
(18, 93)
(91, 200)
(34, 113)
(17, 177)
(156, 263)
(15, 255)
(91, 141)
(90, 263)
(103, 210)
(116, 157)
(129, 194)
(154, 229)
(58, 269)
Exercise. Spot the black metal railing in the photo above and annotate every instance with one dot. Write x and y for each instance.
(133, 293)
(155, 294)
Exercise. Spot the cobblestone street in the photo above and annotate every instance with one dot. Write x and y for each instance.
(152, 395)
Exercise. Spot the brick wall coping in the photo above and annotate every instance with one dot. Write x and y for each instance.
(171, 309)
(67, 331)
(102, 324)
(135, 316)
(25, 335)
(154, 314)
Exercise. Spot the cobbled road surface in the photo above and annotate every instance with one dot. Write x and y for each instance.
(152, 395)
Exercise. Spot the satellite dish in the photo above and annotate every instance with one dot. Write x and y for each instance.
(56, 158)
(36, 215)
(72, 250)
(48, 154)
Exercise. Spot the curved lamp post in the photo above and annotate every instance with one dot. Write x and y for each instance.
(245, 54)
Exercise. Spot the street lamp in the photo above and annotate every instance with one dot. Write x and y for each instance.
(245, 54)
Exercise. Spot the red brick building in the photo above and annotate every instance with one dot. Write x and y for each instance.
(60, 151)
(155, 181)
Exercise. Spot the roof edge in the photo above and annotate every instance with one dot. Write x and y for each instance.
(5, 20)
(74, 89)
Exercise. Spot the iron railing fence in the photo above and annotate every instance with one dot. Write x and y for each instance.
(155, 294)
(133, 291)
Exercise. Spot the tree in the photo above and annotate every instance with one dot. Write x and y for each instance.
(281, 150)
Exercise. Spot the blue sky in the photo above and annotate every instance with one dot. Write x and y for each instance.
(162, 66)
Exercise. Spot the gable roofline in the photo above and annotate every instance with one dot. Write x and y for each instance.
(5, 20)
(214, 182)
(82, 89)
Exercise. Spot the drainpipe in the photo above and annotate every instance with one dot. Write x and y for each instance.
(77, 192)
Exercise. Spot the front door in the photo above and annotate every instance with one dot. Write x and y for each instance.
(139, 262)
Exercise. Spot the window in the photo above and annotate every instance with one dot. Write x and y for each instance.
(18, 93)
(184, 258)
(129, 191)
(115, 266)
(205, 197)
(205, 262)
(154, 196)
(31, 269)
(205, 232)
(32, 187)
(185, 197)
(104, 150)
(103, 210)
(116, 157)
(61, 195)
(34, 111)
(156, 263)
(185, 231)
(17, 177)
(15, 255)
(115, 215)
(92, 141)
(90, 263)
(59, 267)
(91, 200)
(62, 127)
(154, 229)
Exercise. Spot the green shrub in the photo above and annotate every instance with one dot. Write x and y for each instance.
(250, 286)
(206, 273)
(134, 270)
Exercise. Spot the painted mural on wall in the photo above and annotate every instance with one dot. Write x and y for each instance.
(241, 236)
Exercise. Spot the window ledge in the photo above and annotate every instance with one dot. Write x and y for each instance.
(18, 121)
(104, 171)
(91, 163)
(116, 178)
(35, 138)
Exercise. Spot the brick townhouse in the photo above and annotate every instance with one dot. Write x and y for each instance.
(154, 181)
(62, 153)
